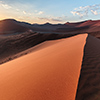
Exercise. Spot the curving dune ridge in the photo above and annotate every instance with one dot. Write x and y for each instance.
(50, 73)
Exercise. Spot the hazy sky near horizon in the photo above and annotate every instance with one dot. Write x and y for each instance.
(53, 11)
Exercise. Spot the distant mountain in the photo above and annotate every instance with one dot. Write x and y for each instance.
(92, 27)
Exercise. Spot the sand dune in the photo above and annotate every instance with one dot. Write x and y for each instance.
(13, 46)
(50, 73)
(89, 83)
(11, 26)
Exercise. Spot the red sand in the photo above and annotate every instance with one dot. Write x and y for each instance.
(50, 73)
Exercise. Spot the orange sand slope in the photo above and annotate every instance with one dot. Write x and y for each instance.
(50, 73)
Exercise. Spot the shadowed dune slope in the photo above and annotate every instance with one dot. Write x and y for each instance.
(89, 83)
(51, 73)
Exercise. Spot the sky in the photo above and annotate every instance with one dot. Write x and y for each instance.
(52, 11)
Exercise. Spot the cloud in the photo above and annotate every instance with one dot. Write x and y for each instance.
(54, 19)
(94, 12)
(83, 11)
(0, 1)
(17, 9)
(6, 6)
(24, 12)
(40, 12)
(43, 18)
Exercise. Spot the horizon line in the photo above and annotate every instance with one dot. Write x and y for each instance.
(69, 22)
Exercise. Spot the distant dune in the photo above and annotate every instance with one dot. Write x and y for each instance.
(50, 73)
(9, 26)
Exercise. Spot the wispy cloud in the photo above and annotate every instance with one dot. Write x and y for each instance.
(0, 1)
(27, 12)
(54, 19)
(16, 10)
(40, 12)
(94, 12)
(24, 12)
(6, 6)
(84, 11)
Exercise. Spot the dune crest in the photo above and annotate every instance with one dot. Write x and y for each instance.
(50, 73)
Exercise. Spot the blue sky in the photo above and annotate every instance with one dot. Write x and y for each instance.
(53, 11)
